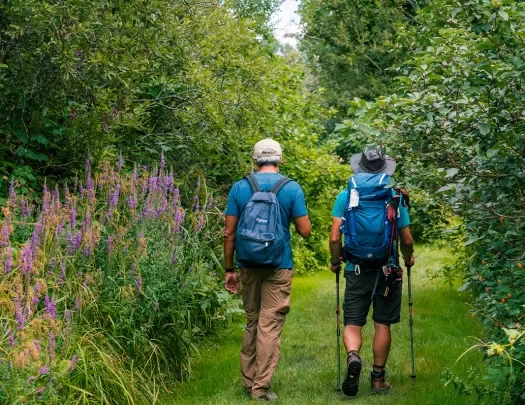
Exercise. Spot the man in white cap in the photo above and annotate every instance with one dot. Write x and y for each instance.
(265, 289)
(372, 271)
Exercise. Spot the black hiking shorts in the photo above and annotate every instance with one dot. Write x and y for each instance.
(358, 297)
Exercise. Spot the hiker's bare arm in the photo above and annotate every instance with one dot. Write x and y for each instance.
(303, 226)
(407, 246)
(336, 248)
(229, 239)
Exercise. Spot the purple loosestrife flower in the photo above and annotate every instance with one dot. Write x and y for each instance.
(133, 269)
(35, 300)
(134, 176)
(11, 338)
(31, 379)
(119, 164)
(19, 315)
(174, 258)
(210, 203)
(78, 304)
(26, 260)
(115, 196)
(12, 193)
(60, 228)
(62, 275)
(132, 200)
(162, 161)
(73, 217)
(55, 194)
(72, 363)
(138, 283)
(155, 306)
(37, 287)
(24, 209)
(87, 222)
(52, 346)
(51, 307)
(153, 184)
(176, 197)
(87, 164)
(43, 370)
(109, 242)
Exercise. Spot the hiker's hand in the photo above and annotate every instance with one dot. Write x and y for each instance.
(232, 283)
(411, 262)
(335, 268)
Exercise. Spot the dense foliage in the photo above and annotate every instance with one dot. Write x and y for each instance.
(457, 119)
(104, 288)
(350, 45)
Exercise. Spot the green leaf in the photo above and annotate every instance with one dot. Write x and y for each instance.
(503, 14)
(484, 129)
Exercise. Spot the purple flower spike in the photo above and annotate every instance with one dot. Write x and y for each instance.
(31, 379)
(156, 306)
(12, 192)
(138, 284)
(114, 197)
(52, 346)
(119, 164)
(11, 338)
(162, 161)
(26, 260)
(43, 370)
(73, 217)
(72, 363)
(51, 308)
(109, 242)
(19, 315)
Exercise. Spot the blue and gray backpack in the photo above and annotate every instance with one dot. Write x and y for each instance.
(368, 231)
(259, 238)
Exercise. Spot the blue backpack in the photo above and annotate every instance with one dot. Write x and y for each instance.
(259, 238)
(368, 231)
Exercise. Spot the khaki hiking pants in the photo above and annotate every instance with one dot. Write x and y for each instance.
(266, 300)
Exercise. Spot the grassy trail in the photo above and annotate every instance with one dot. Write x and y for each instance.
(307, 371)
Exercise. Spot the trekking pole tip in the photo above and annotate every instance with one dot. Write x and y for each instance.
(413, 379)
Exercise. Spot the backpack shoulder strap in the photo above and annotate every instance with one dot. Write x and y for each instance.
(253, 183)
(280, 184)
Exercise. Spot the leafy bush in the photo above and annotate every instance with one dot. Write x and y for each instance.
(105, 288)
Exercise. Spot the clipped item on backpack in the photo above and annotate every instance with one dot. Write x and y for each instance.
(369, 226)
(259, 238)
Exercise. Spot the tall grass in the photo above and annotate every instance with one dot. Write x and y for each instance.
(105, 286)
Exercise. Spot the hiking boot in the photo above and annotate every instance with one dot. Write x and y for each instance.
(267, 397)
(351, 381)
(378, 383)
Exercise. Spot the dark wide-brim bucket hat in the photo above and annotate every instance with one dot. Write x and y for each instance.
(372, 161)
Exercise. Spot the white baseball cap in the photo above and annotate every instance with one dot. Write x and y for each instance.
(267, 148)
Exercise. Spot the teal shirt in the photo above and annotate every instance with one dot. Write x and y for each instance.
(403, 219)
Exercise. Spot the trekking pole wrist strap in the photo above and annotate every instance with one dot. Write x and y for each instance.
(230, 269)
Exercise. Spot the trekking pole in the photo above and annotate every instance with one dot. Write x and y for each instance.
(413, 376)
(338, 332)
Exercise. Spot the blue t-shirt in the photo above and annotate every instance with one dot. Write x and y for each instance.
(291, 201)
(339, 209)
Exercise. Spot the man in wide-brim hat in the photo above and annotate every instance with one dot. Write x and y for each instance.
(364, 286)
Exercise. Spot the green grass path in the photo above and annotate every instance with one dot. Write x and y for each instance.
(443, 330)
